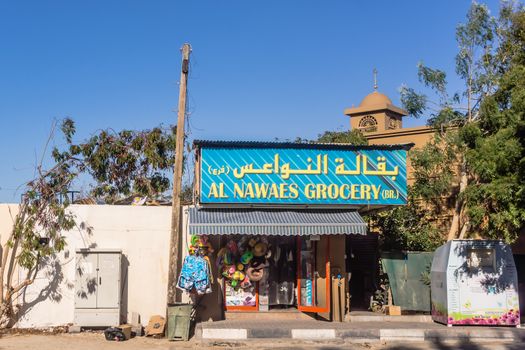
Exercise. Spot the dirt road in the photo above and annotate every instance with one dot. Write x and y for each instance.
(96, 341)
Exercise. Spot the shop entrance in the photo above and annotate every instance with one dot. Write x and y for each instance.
(282, 274)
(362, 267)
(313, 274)
(275, 273)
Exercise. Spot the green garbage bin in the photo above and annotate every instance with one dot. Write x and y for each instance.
(179, 321)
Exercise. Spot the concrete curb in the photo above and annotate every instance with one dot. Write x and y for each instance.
(269, 333)
(360, 335)
(224, 333)
(313, 334)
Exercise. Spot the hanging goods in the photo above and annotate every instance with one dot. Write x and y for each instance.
(194, 274)
(260, 249)
(246, 257)
(254, 274)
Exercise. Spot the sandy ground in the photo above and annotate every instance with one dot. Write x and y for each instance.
(96, 341)
(82, 341)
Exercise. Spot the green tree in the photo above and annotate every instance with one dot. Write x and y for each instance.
(120, 163)
(124, 163)
(407, 228)
(475, 164)
(353, 137)
(36, 234)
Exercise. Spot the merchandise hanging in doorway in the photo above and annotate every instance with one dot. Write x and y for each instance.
(242, 262)
(195, 275)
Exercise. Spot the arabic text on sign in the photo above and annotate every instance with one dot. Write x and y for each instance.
(321, 167)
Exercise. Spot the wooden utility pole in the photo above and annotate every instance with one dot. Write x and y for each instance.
(176, 236)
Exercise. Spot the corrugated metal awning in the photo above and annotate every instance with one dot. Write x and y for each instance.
(275, 222)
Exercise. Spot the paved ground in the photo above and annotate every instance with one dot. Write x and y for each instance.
(262, 335)
(352, 332)
(82, 341)
(96, 341)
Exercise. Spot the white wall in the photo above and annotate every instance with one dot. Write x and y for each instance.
(143, 235)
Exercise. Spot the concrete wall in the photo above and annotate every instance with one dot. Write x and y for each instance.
(143, 235)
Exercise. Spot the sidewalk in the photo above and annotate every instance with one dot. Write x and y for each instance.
(358, 332)
(324, 336)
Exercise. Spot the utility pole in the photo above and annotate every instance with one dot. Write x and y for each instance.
(176, 235)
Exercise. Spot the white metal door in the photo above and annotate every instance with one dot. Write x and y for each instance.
(108, 280)
(86, 282)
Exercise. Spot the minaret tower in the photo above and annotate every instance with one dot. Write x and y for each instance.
(376, 113)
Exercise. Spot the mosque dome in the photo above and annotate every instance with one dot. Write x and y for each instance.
(375, 98)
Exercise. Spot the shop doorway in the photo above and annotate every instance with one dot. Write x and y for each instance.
(363, 268)
(259, 272)
(282, 274)
(314, 274)
(275, 273)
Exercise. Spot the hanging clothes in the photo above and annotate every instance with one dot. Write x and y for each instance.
(195, 274)
(282, 277)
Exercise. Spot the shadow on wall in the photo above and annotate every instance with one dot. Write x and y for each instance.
(124, 289)
(51, 272)
(519, 260)
(495, 280)
(50, 278)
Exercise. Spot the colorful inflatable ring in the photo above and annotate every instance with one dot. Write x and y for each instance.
(254, 275)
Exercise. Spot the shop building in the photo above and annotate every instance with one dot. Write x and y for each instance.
(272, 224)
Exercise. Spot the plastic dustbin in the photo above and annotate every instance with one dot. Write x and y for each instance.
(179, 321)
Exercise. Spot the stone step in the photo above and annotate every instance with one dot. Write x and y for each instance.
(388, 318)
(351, 331)
(266, 316)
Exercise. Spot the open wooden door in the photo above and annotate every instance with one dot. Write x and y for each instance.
(313, 274)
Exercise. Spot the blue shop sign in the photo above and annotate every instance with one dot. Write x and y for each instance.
(306, 176)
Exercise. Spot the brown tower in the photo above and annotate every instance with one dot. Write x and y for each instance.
(376, 113)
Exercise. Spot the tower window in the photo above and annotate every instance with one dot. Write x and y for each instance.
(393, 123)
(368, 123)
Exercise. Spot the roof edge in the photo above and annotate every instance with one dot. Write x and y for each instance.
(296, 145)
(356, 111)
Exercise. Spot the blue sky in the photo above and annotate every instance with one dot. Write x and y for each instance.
(260, 70)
